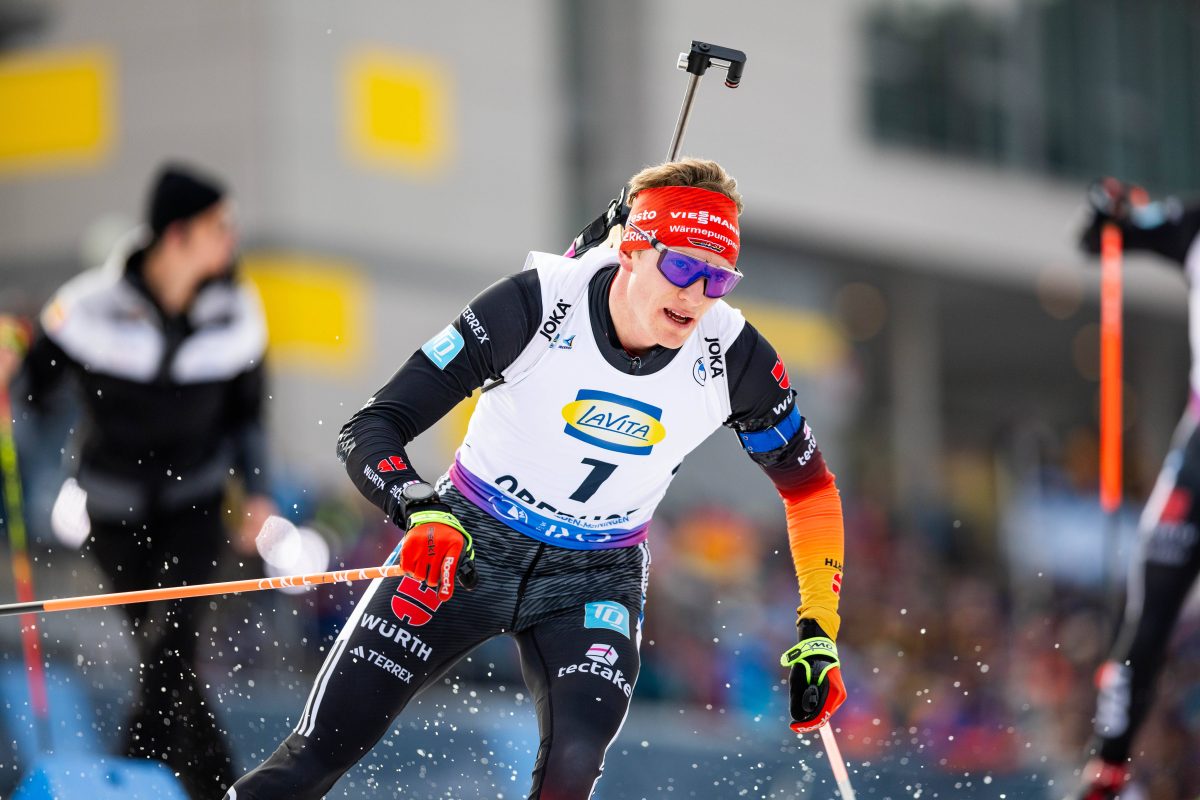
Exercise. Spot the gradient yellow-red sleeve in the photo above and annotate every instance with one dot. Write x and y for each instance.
(817, 541)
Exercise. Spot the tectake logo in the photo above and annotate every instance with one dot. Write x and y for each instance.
(614, 422)
(602, 654)
(601, 659)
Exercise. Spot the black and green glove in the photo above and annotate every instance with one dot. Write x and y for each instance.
(815, 681)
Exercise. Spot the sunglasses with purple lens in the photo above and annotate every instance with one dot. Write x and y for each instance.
(683, 270)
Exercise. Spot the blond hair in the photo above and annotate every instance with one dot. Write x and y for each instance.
(696, 172)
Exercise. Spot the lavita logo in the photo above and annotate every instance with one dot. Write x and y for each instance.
(613, 422)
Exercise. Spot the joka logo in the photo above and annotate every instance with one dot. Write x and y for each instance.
(442, 348)
(699, 371)
(614, 422)
(557, 315)
(391, 464)
(607, 615)
(602, 656)
(714, 357)
(779, 373)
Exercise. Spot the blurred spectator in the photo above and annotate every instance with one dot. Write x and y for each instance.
(164, 349)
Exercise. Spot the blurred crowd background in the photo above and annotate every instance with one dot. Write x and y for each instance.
(914, 175)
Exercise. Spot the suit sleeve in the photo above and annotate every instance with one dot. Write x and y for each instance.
(1167, 228)
(249, 434)
(42, 371)
(777, 438)
(481, 342)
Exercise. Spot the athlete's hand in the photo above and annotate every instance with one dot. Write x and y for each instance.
(815, 682)
(1101, 781)
(256, 510)
(436, 548)
(1109, 200)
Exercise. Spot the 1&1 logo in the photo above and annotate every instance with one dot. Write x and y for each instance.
(614, 422)
(606, 615)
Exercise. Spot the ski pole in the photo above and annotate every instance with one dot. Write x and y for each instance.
(1110, 389)
(201, 590)
(836, 763)
(18, 542)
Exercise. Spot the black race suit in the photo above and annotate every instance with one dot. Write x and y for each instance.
(1168, 555)
(575, 614)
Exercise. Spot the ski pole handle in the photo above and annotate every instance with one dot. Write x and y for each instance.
(201, 590)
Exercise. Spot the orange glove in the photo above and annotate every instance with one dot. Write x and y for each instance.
(433, 550)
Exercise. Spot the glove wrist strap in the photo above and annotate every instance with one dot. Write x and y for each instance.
(444, 518)
(816, 646)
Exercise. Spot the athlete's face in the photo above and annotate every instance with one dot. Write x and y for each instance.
(661, 313)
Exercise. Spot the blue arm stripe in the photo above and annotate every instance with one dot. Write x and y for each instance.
(775, 437)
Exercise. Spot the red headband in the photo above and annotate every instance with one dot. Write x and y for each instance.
(684, 216)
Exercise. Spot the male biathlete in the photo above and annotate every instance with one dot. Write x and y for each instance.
(599, 376)
(1167, 560)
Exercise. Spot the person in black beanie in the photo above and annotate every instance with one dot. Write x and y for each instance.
(166, 348)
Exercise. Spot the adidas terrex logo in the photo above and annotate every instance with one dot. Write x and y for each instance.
(383, 662)
(557, 315)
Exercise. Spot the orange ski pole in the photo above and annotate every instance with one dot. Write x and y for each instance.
(201, 590)
(1110, 368)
